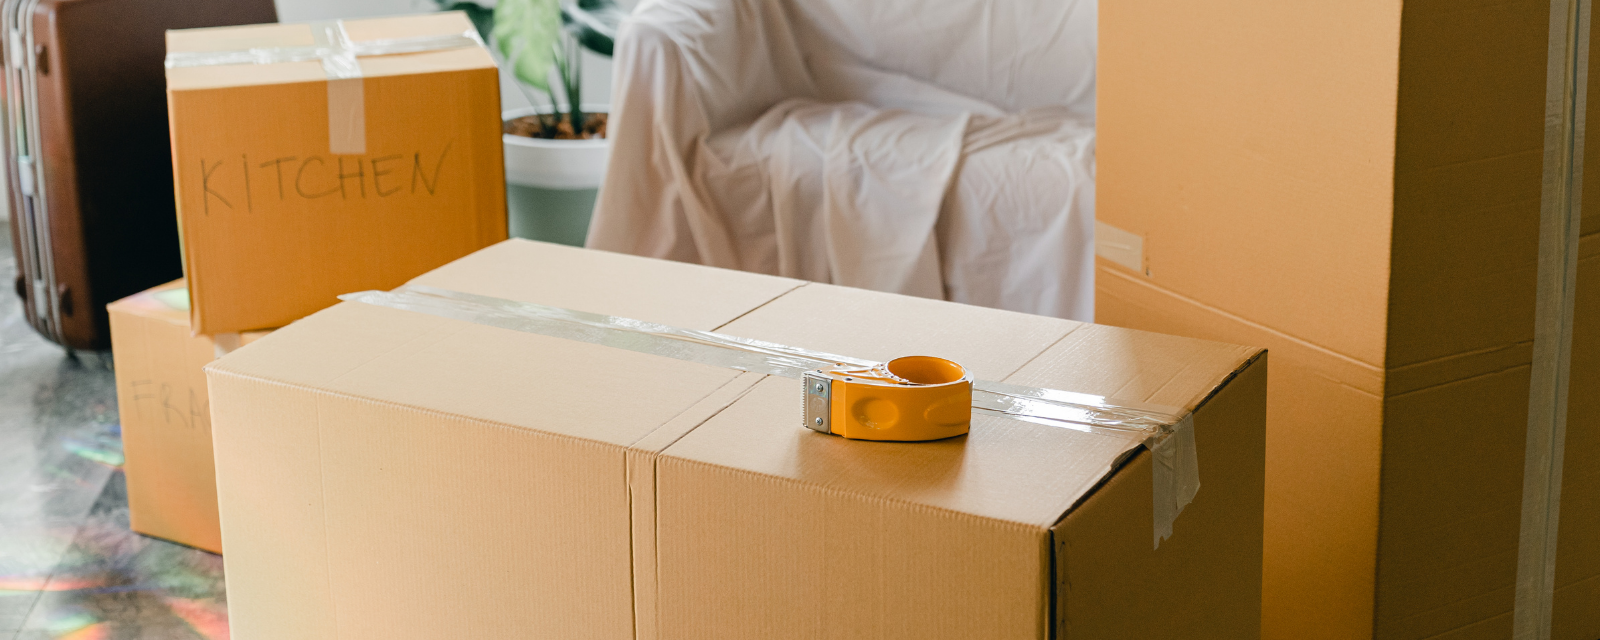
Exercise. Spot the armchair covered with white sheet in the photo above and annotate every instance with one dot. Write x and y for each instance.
(939, 148)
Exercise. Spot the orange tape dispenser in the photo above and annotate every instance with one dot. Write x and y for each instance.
(906, 399)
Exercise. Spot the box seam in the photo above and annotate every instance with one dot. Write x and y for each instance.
(1252, 324)
(632, 446)
(914, 506)
(650, 458)
(655, 532)
(1228, 379)
(1458, 355)
(800, 285)
(389, 403)
(1043, 351)
(327, 544)
(1468, 378)
(633, 569)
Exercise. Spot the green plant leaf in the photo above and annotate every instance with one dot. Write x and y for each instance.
(527, 33)
(482, 17)
(598, 21)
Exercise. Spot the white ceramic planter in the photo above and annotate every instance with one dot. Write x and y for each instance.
(555, 164)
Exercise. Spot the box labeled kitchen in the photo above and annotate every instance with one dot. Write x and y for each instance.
(315, 159)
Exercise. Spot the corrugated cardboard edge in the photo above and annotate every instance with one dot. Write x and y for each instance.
(1128, 456)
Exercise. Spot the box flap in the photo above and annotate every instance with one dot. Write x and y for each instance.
(168, 302)
(671, 293)
(266, 36)
(866, 324)
(514, 378)
(1131, 366)
(1005, 469)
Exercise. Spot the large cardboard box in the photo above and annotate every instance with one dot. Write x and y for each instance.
(1356, 186)
(293, 188)
(390, 474)
(166, 416)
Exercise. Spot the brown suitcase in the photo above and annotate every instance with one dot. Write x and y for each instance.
(88, 163)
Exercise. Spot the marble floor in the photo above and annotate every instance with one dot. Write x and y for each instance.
(69, 566)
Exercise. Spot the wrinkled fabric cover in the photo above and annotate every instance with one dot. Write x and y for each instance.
(939, 148)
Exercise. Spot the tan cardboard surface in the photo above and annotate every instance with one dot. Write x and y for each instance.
(419, 477)
(300, 35)
(1357, 188)
(1578, 561)
(800, 500)
(1321, 512)
(1577, 552)
(166, 417)
(526, 498)
(1244, 133)
(258, 186)
(1102, 562)
(1468, 162)
(835, 564)
(1215, 125)
(991, 344)
(569, 277)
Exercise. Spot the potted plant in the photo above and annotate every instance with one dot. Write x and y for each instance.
(561, 145)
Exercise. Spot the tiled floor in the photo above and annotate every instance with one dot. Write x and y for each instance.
(69, 566)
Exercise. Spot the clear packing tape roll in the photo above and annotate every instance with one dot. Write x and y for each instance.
(347, 128)
(1168, 432)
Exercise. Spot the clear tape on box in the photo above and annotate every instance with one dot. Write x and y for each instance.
(1167, 431)
(347, 127)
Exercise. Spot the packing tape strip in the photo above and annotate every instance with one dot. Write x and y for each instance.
(347, 127)
(347, 101)
(1560, 222)
(1167, 431)
(225, 343)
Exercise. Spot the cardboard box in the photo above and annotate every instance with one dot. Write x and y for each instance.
(283, 207)
(1356, 186)
(166, 417)
(390, 474)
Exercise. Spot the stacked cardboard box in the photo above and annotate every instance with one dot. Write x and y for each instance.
(1357, 187)
(166, 416)
(391, 474)
(293, 188)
